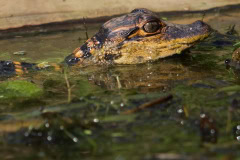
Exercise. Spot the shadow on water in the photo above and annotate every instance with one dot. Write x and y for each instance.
(182, 107)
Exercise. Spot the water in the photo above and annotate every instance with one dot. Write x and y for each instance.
(200, 121)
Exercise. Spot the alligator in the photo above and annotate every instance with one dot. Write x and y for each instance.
(234, 62)
(137, 37)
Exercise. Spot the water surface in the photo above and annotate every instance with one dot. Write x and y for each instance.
(199, 121)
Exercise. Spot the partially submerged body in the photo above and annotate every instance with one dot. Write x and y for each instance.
(235, 61)
(137, 37)
(134, 38)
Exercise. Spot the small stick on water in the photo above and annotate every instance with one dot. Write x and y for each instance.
(149, 104)
(118, 82)
(69, 88)
(185, 111)
(85, 27)
(204, 14)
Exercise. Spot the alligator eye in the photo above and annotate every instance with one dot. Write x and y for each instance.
(151, 27)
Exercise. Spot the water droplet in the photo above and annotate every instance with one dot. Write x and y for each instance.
(180, 110)
(122, 104)
(95, 120)
(238, 127)
(47, 125)
(49, 138)
(212, 131)
(202, 115)
(182, 122)
(75, 139)
(238, 138)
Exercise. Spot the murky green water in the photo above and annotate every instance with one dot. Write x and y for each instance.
(200, 120)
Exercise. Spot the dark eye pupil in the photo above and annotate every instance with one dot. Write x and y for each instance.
(151, 27)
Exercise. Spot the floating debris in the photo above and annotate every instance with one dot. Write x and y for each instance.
(231, 30)
(149, 104)
(208, 130)
(20, 53)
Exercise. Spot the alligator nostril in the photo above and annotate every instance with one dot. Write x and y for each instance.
(199, 23)
(201, 26)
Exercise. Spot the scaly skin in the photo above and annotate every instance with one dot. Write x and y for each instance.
(137, 37)
(235, 61)
(124, 40)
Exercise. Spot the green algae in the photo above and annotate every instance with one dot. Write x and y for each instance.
(93, 126)
(19, 89)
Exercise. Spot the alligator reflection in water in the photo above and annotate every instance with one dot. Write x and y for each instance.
(151, 76)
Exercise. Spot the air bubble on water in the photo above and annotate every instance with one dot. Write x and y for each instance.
(95, 120)
(180, 110)
(49, 138)
(47, 125)
(212, 131)
(238, 127)
(238, 138)
(182, 122)
(75, 139)
(202, 115)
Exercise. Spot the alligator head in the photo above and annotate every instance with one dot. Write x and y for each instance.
(137, 37)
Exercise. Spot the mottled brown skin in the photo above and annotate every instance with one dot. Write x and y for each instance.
(236, 55)
(137, 37)
(134, 38)
(235, 61)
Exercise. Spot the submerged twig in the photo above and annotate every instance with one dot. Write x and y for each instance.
(69, 87)
(185, 110)
(118, 82)
(149, 104)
